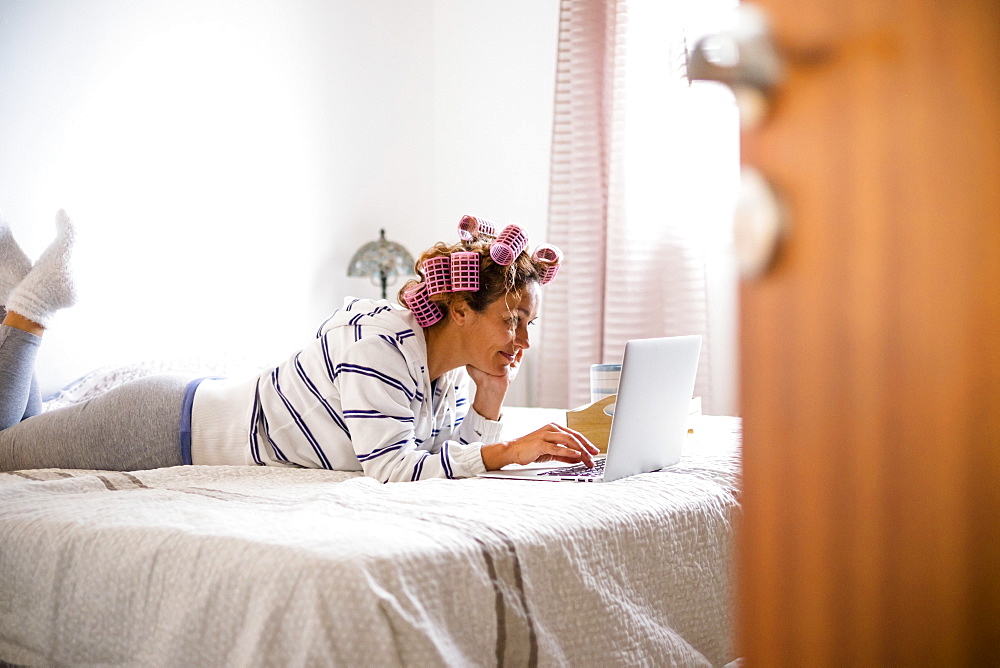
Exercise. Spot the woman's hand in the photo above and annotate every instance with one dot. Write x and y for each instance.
(552, 442)
(490, 389)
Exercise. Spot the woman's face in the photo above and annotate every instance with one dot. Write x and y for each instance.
(496, 335)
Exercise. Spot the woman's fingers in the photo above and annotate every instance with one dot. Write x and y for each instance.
(577, 439)
(593, 449)
(566, 444)
(566, 453)
(551, 442)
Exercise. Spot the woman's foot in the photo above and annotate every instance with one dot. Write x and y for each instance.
(14, 264)
(48, 286)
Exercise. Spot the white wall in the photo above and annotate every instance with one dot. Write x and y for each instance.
(224, 159)
(494, 90)
(494, 86)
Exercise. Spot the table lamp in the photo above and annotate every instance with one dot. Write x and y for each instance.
(382, 261)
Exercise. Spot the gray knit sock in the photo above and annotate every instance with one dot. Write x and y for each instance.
(48, 287)
(14, 264)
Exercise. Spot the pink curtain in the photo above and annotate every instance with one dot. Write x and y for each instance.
(640, 186)
(586, 131)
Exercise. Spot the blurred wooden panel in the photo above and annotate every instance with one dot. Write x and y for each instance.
(870, 354)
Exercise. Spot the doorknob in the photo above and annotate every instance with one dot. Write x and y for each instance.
(759, 224)
(745, 59)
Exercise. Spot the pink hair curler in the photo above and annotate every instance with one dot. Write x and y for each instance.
(470, 226)
(437, 274)
(511, 242)
(424, 310)
(464, 271)
(552, 256)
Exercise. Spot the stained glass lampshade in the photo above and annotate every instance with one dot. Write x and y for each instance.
(382, 261)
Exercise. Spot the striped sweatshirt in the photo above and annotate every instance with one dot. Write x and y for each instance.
(357, 398)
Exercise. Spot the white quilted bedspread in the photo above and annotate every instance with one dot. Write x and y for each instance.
(241, 566)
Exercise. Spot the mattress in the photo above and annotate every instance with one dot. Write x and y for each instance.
(238, 566)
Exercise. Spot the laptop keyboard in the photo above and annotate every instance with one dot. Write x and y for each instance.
(580, 470)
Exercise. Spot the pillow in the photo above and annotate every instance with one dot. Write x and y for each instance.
(101, 380)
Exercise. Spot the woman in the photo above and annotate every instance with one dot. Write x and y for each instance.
(381, 389)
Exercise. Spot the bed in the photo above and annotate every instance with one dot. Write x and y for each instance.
(240, 566)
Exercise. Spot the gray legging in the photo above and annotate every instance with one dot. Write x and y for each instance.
(132, 427)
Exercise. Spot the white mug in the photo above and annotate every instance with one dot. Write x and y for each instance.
(604, 380)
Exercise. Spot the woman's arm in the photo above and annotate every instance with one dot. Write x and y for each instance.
(552, 442)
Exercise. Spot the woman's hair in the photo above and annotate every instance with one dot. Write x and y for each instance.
(495, 280)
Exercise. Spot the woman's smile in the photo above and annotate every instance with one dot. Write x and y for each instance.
(501, 331)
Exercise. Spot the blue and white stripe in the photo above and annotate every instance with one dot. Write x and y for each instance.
(392, 382)
(378, 452)
(315, 392)
(375, 415)
(303, 427)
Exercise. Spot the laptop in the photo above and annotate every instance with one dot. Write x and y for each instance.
(650, 418)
